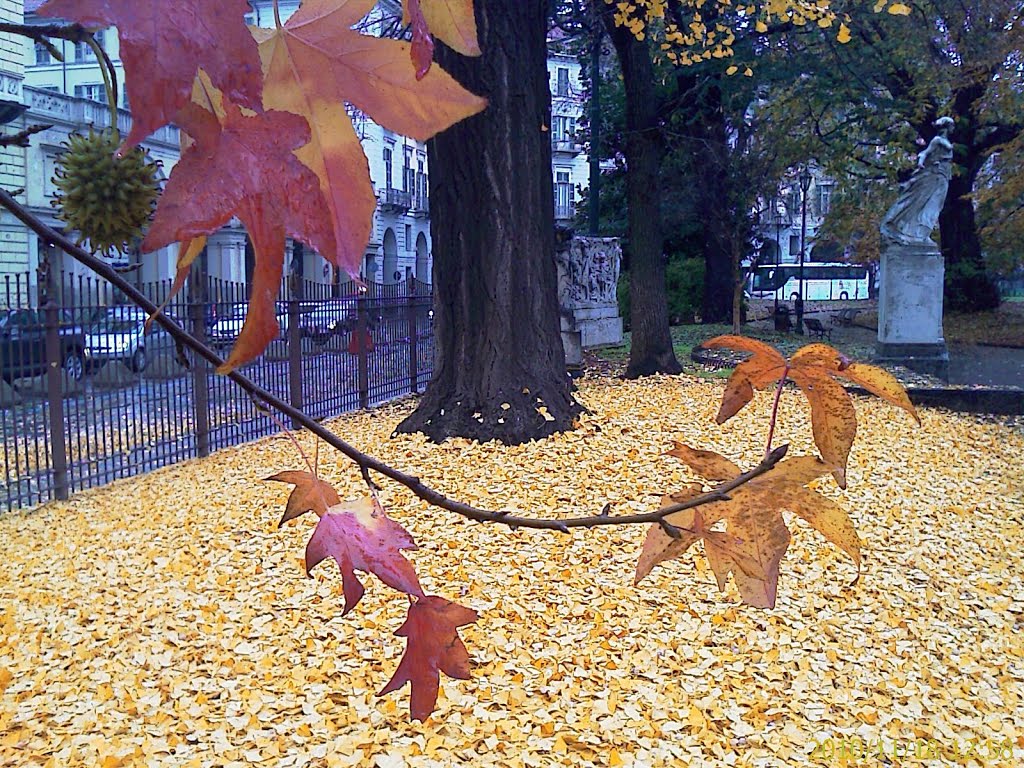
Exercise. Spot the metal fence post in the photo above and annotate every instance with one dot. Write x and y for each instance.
(411, 306)
(363, 350)
(55, 398)
(197, 290)
(294, 350)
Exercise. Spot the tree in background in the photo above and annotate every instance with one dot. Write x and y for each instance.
(863, 110)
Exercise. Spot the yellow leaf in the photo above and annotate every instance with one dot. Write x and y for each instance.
(844, 34)
(732, 70)
(899, 9)
(761, 26)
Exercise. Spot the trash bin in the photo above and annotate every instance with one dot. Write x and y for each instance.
(782, 321)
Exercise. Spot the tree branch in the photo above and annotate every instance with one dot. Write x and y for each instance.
(365, 462)
(20, 139)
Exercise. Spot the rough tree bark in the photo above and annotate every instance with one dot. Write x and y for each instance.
(651, 347)
(499, 370)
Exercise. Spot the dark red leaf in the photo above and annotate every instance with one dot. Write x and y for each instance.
(163, 46)
(244, 166)
(310, 493)
(433, 646)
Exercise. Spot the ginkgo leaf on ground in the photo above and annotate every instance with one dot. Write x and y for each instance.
(756, 537)
(313, 66)
(244, 166)
(357, 534)
(433, 646)
(163, 46)
(812, 368)
(310, 494)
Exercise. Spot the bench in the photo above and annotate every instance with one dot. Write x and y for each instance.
(816, 329)
(844, 316)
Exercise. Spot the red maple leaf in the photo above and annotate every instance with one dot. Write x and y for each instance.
(362, 536)
(244, 166)
(451, 20)
(433, 646)
(163, 46)
(310, 493)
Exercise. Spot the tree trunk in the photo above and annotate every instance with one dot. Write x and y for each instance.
(499, 370)
(651, 347)
(715, 195)
(968, 288)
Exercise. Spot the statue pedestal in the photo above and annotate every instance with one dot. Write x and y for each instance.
(910, 310)
(588, 276)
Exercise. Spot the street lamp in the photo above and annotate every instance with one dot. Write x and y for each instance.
(777, 218)
(805, 184)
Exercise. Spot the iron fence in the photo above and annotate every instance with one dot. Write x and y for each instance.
(88, 396)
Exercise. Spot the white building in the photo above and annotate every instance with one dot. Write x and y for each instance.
(570, 167)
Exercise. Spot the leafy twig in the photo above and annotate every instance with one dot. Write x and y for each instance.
(365, 462)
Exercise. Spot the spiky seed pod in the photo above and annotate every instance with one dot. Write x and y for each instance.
(108, 199)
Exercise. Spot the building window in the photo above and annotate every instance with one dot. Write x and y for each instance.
(408, 237)
(387, 168)
(408, 175)
(562, 82)
(42, 55)
(563, 195)
(824, 198)
(85, 53)
(564, 128)
(92, 91)
(794, 247)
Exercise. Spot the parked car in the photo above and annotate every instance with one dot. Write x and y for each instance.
(322, 319)
(230, 321)
(23, 345)
(120, 334)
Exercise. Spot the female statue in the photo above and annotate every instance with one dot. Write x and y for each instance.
(912, 218)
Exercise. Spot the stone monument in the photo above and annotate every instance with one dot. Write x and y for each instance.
(911, 281)
(588, 275)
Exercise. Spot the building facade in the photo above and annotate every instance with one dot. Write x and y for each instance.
(570, 166)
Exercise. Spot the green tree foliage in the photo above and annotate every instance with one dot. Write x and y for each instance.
(865, 109)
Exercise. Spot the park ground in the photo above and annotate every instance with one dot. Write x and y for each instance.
(985, 348)
(166, 621)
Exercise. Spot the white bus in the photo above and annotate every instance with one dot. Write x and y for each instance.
(822, 282)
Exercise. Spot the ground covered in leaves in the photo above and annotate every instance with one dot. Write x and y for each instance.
(165, 621)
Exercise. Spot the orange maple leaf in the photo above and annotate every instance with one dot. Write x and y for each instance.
(313, 66)
(450, 20)
(310, 494)
(812, 368)
(756, 536)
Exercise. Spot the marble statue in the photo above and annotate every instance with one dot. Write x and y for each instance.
(912, 218)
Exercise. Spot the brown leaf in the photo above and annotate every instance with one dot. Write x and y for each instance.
(659, 546)
(881, 383)
(756, 537)
(707, 464)
(833, 418)
(310, 494)
(765, 367)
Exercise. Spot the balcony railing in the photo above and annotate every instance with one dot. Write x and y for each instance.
(420, 205)
(565, 145)
(394, 200)
(564, 210)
